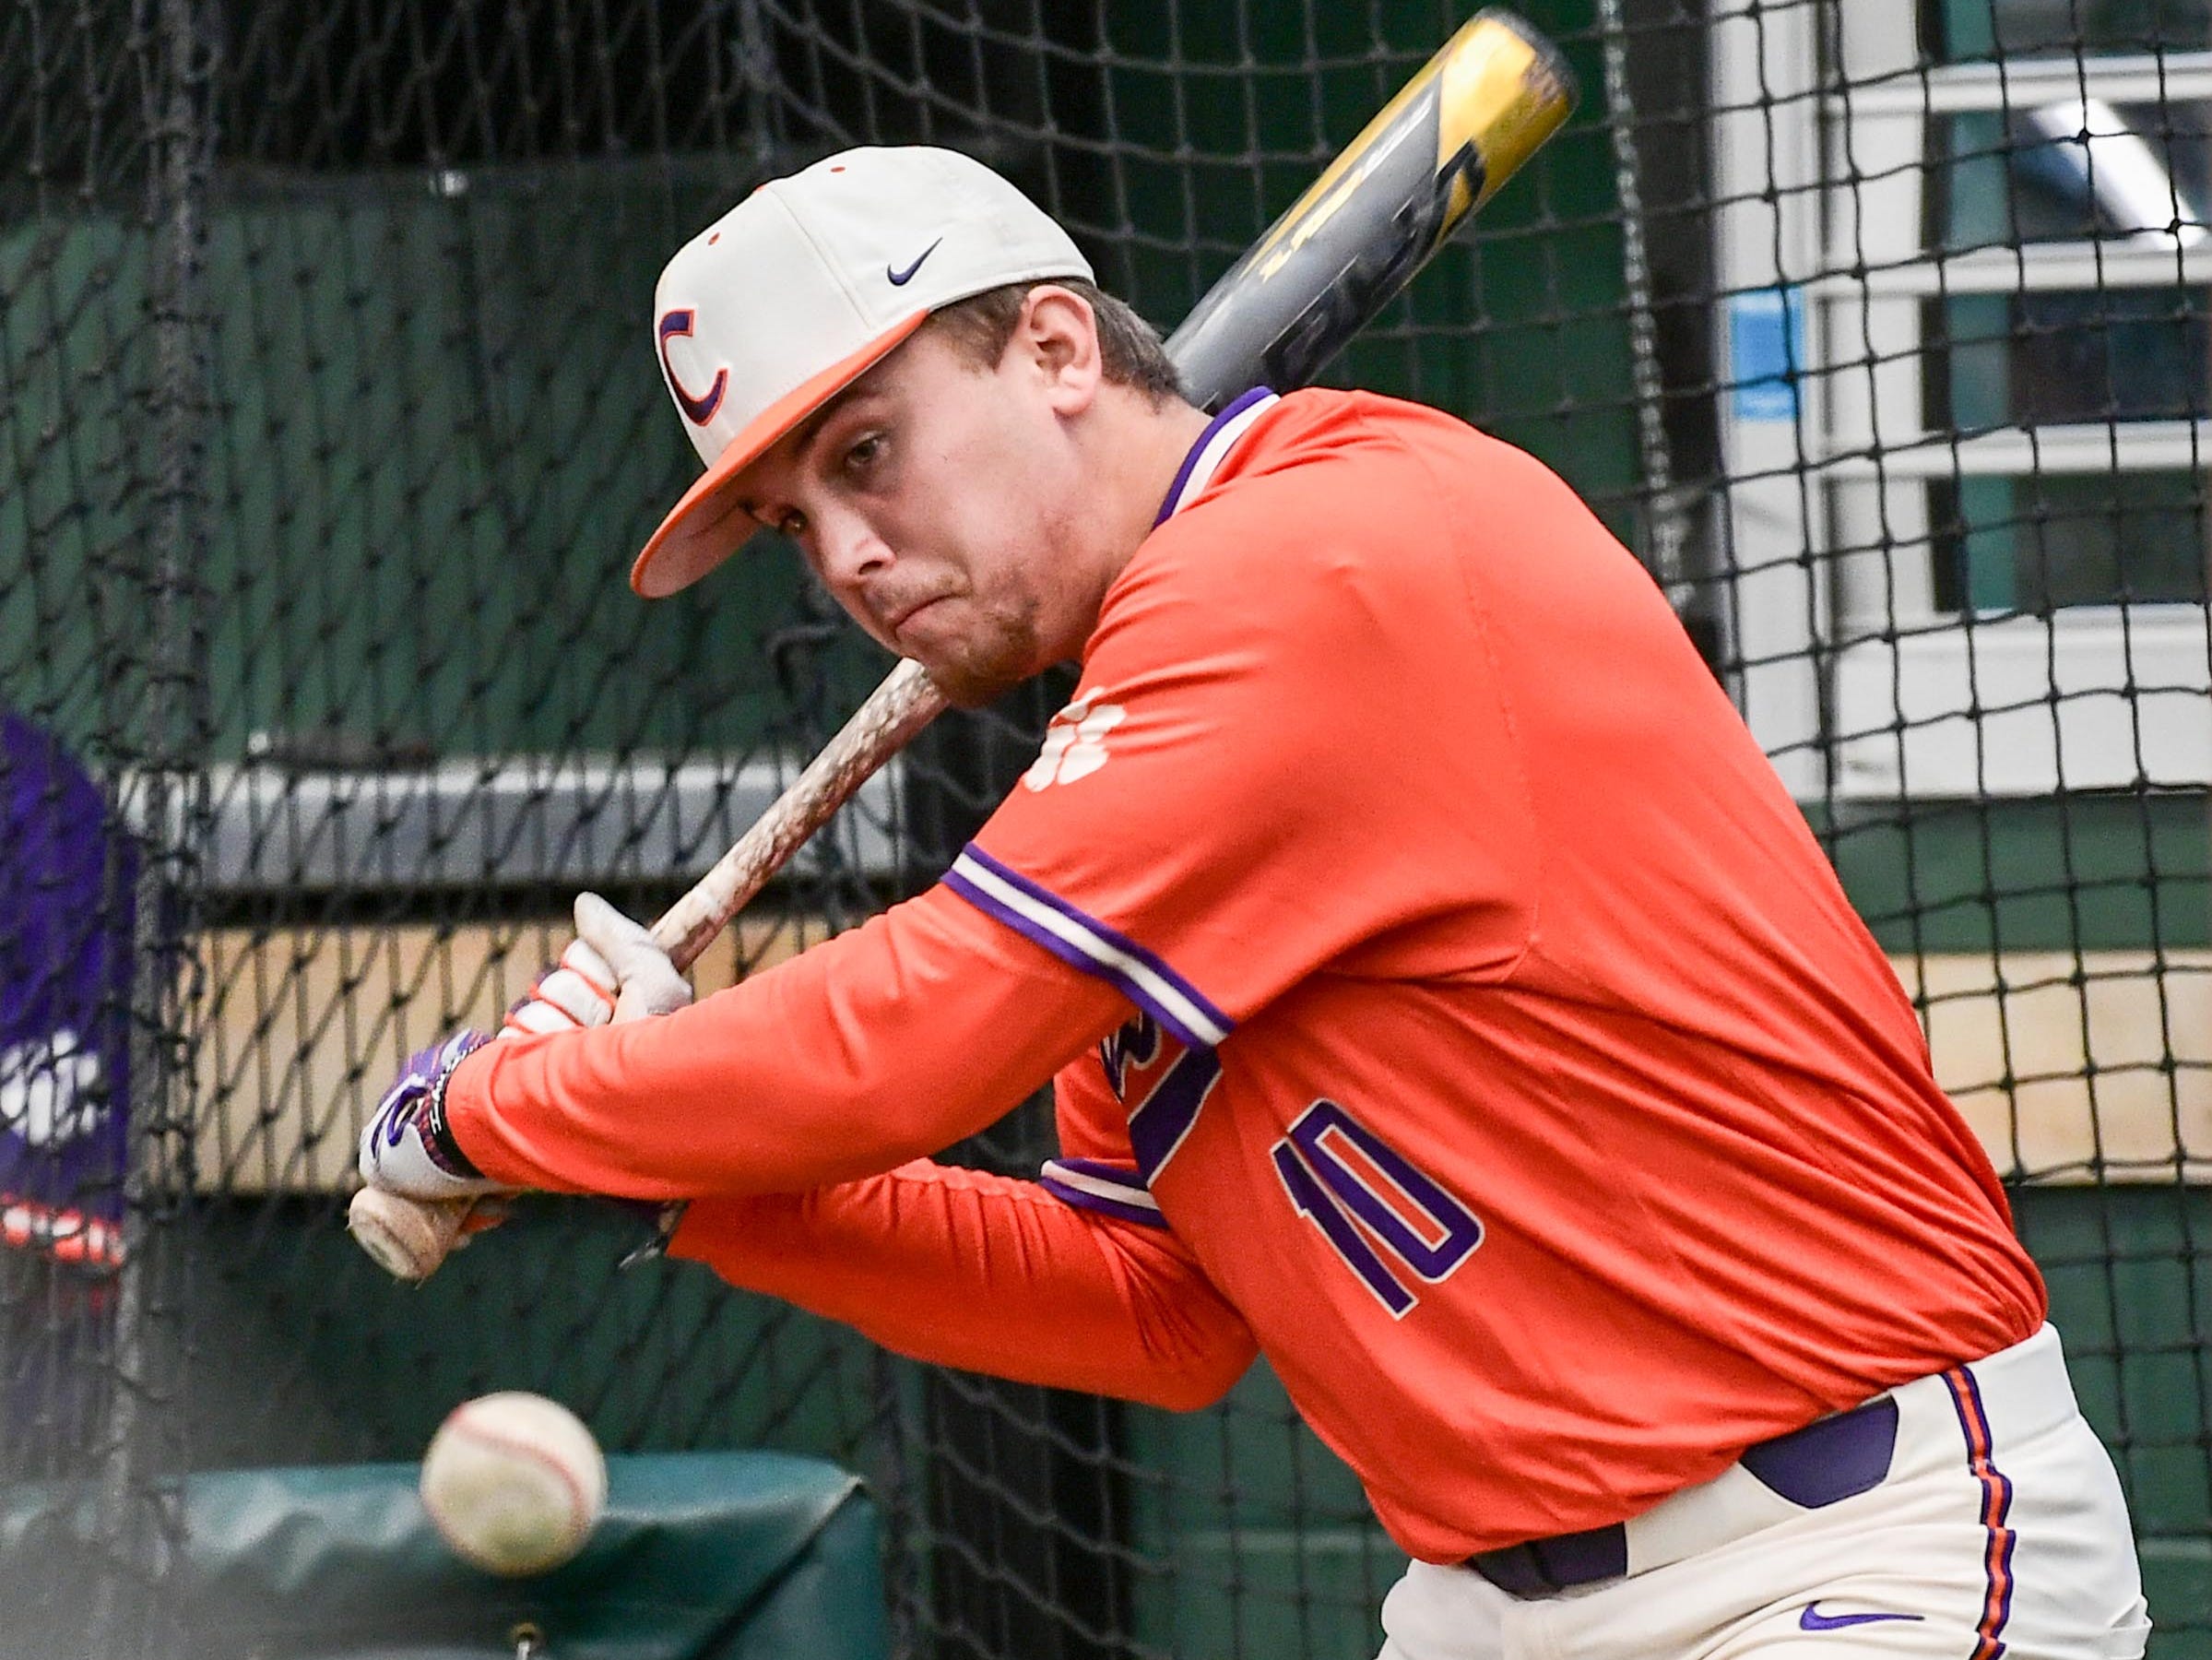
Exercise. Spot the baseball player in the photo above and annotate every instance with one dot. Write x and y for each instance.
(1441, 995)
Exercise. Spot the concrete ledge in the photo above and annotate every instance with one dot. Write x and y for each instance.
(512, 822)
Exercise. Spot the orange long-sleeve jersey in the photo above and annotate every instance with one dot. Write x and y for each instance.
(911, 1032)
(1440, 991)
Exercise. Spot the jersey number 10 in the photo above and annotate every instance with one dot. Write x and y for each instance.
(1377, 1212)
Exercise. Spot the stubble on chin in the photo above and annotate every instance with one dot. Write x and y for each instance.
(988, 664)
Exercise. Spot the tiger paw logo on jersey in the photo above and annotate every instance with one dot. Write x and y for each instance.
(1075, 742)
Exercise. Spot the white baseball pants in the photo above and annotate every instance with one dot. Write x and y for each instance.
(1999, 1533)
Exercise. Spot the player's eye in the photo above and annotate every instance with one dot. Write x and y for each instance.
(793, 525)
(863, 453)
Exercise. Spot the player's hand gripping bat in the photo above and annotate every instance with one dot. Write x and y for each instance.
(1437, 152)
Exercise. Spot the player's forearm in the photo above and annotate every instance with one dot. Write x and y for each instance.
(989, 1274)
(849, 1060)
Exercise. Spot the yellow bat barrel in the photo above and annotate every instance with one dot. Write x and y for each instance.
(1458, 130)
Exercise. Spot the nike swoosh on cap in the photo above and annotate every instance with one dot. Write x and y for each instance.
(901, 279)
(1813, 1620)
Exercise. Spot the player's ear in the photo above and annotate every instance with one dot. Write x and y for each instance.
(1058, 336)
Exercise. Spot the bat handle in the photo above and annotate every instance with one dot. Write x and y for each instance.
(895, 711)
(407, 1237)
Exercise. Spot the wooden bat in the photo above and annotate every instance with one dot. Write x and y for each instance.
(1342, 251)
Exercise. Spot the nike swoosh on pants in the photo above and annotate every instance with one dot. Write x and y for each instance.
(1813, 1620)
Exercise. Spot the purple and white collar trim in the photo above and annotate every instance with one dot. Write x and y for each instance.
(1212, 449)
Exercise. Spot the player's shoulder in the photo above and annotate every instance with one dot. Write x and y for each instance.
(1320, 425)
(1329, 478)
(1341, 443)
(1363, 468)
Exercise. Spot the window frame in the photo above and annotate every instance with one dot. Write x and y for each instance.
(1853, 680)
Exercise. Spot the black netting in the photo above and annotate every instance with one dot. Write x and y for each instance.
(331, 425)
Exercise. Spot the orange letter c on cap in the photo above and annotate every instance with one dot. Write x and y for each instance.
(700, 410)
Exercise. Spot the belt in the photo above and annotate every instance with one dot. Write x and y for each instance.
(1830, 1460)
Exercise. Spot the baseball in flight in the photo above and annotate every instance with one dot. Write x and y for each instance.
(514, 1483)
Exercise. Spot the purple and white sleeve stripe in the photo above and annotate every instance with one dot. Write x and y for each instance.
(1085, 942)
(1112, 1190)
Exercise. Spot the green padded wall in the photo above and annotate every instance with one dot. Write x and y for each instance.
(728, 1556)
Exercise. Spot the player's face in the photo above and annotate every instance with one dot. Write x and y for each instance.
(941, 505)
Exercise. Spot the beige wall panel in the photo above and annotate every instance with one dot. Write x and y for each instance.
(305, 1026)
(2060, 1063)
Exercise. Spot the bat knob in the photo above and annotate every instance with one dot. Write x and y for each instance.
(407, 1238)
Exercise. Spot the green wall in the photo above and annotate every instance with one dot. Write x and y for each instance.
(2081, 871)
(433, 434)
(433, 439)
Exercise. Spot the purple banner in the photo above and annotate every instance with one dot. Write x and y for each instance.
(66, 875)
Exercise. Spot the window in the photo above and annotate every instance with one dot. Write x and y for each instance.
(1968, 250)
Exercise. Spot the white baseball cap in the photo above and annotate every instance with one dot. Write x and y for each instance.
(797, 291)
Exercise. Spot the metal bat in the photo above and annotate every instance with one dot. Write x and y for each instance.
(1343, 250)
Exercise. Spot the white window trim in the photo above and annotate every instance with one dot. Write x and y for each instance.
(1919, 702)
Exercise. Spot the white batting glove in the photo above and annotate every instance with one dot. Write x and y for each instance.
(612, 971)
(645, 981)
(407, 1148)
(578, 990)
